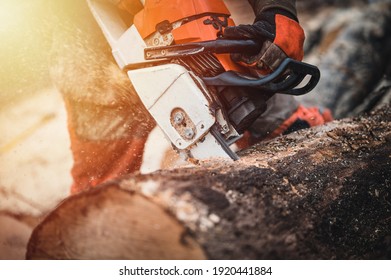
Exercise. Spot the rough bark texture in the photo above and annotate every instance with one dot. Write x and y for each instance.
(322, 193)
(352, 48)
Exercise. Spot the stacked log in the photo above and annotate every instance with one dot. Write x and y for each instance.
(352, 48)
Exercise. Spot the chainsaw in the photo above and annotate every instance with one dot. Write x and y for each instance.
(180, 67)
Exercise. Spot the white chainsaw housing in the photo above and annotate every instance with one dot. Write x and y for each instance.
(126, 43)
(170, 90)
(166, 88)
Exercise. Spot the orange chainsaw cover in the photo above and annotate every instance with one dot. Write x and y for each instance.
(131, 6)
(157, 11)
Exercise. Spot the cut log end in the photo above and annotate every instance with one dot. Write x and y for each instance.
(111, 223)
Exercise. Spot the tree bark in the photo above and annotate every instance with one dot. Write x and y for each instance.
(352, 48)
(321, 193)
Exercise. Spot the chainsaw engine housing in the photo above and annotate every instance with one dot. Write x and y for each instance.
(183, 73)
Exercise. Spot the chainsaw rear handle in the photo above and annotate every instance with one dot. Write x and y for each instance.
(284, 79)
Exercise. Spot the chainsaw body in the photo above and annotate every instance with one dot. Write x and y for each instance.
(183, 73)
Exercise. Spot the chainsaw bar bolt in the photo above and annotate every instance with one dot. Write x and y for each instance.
(183, 124)
(189, 133)
(179, 118)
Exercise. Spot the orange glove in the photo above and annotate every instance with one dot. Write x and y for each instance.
(280, 35)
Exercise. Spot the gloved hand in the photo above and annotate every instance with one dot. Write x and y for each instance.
(280, 35)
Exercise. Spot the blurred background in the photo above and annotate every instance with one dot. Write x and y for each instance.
(22, 55)
(350, 41)
(34, 145)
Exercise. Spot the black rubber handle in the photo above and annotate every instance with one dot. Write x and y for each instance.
(284, 79)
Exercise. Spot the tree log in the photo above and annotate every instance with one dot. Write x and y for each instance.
(352, 48)
(321, 193)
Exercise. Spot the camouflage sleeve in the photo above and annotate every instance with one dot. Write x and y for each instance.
(261, 5)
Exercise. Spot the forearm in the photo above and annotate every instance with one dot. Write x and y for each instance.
(261, 5)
